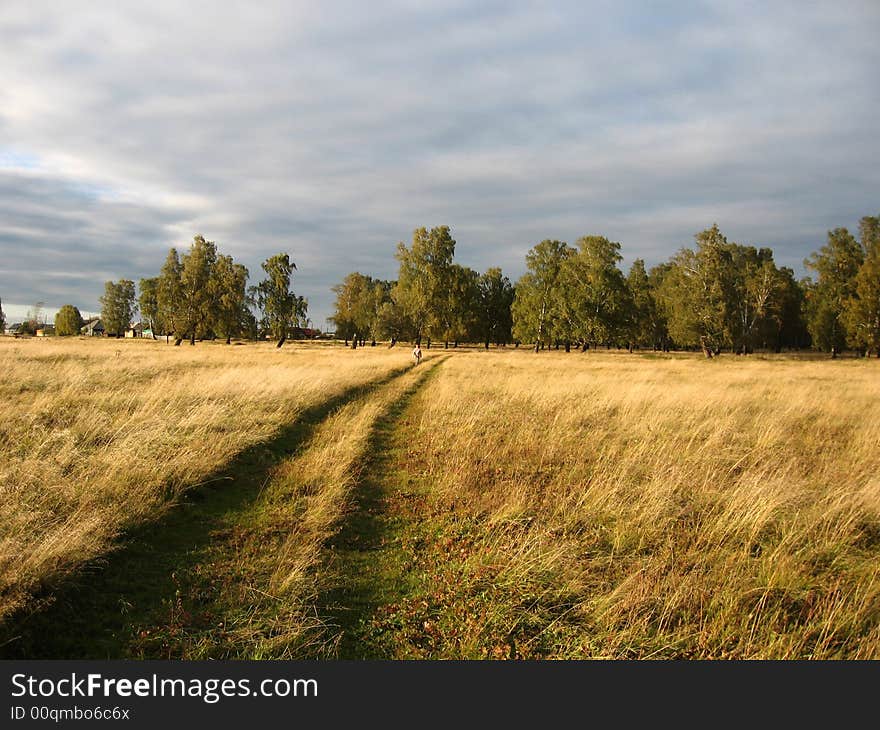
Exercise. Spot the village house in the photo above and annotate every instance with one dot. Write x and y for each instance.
(139, 329)
(93, 327)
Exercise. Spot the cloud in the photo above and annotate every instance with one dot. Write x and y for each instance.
(332, 130)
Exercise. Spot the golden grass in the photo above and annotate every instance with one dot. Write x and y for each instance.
(99, 435)
(635, 507)
(582, 505)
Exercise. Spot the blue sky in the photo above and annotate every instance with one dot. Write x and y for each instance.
(332, 130)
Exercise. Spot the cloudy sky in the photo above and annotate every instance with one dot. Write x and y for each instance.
(331, 130)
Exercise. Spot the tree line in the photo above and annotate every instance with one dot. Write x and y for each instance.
(715, 296)
(201, 294)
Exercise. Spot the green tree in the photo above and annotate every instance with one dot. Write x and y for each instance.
(280, 307)
(424, 281)
(535, 308)
(495, 299)
(757, 288)
(786, 326)
(656, 278)
(869, 233)
(358, 300)
(148, 302)
(393, 322)
(463, 307)
(862, 309)
(68, 320)
(594, 302)
(169, 297)
(229, 297)
(643, 308)
(697, 292)
(118, 306)
(2, 319)
(837, 263)
(197, 294)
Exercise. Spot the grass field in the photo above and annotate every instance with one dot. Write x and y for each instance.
(319, 502)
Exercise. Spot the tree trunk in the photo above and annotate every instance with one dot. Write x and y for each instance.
(354, 343)
(706, 351)
(567, 346)
(281, 341)
(192, 338)
(177, 341)
(446, 345)
(487, 344)
(537, 345)
(429, 344)
(373, 343)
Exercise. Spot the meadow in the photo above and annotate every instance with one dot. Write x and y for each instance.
(238, 501)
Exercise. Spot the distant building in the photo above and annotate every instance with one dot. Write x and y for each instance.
(139, 329)
(304, 333)
(93, 327)
(45, 330)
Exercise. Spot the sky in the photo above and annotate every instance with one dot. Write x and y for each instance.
(330, 130)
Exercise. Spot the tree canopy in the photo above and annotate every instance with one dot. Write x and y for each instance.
(68, 321)
(118, 306)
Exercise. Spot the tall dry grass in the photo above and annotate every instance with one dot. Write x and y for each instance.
(99, 435)
(622, 506)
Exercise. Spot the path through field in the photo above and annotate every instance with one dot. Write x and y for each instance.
(299, 548)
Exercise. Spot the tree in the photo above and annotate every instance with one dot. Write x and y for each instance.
(459, 310)
(229, 297)
(281, 308)
(197, 294)
(656, 278)
(118, 306)
(837, 263)
(2, 319)
(358, 301)
(535, 308)
(169, 297)
(697, 292)
(869, 233)
(594, 301)
(643, 326)
(757, 289)
(786, 327)
(495, 299)
(393, 322)
(424, 281)
(68, 321)
(148, 302)
(862, 310)
(34, 320)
